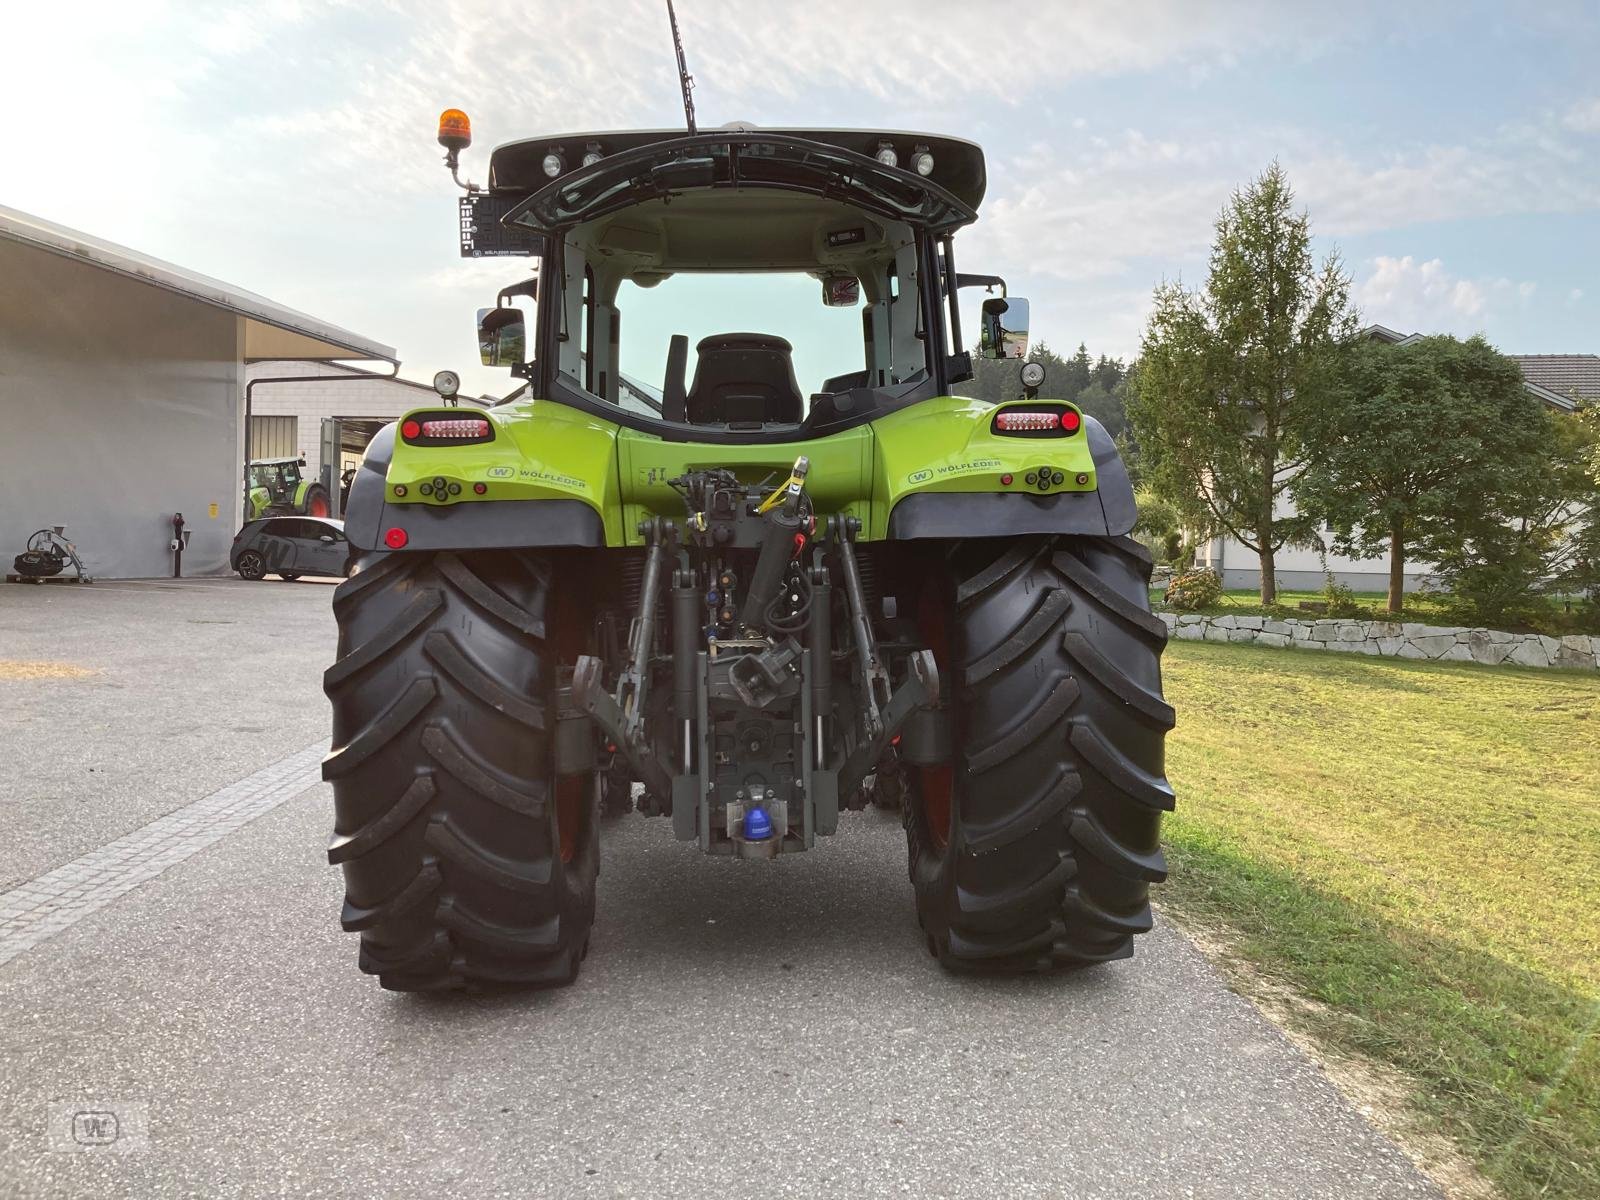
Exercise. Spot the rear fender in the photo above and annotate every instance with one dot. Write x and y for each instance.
(959, 490)
(552, 507)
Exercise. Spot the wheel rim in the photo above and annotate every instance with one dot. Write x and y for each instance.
(249, 564)
(317, 506)
(936, 785)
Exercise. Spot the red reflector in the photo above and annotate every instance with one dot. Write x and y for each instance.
(456, 427)
(1022, 421)
(1006, 479)
(480, 488)
(396, 538)
(1069, 421)
(410, 430)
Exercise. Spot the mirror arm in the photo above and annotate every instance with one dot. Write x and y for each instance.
(528, 288)
(984, 281)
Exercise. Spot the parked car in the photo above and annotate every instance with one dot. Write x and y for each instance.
(290, 547)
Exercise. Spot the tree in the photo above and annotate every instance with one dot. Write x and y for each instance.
(1097, 387)
(1229, 374)
(1420, 447)
(1539, 534)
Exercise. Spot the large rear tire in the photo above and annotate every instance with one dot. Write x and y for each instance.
(466, 861)
(1035, 850)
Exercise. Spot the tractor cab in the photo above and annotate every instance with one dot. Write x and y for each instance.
(769, 285)
(279, 477)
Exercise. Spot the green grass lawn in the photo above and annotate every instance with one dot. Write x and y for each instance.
(1554, 616)
(1415, 846)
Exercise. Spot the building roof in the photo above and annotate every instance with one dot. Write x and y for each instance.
(1559, 380)
(271, 330)
(1572, 375)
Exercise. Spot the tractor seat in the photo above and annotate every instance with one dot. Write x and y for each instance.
(743, 377)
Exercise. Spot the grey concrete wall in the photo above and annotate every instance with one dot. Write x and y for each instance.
(120, 404)
(1391, 639)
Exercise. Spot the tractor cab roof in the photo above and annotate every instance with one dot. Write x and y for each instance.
(855, 168)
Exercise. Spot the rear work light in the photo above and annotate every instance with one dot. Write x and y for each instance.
(1027, 422)
(1037, 422)
(456, 427)
(445, 429)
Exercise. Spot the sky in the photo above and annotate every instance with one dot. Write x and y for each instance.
(1449, 152)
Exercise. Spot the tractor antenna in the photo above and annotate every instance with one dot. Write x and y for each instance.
(685, 79)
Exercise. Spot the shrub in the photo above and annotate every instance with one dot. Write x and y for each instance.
(1340, 598)
(1194, 589)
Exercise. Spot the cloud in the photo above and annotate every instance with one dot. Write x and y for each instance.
(1424, 297)
(289, 145)
(1583, 117)
(861, 46)
(1113, 203)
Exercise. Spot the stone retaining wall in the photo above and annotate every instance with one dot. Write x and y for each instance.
(1391, 639)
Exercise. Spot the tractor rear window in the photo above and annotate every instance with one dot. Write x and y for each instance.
(825, 342)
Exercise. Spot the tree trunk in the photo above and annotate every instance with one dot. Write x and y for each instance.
(1269, 573)
(1397, 570)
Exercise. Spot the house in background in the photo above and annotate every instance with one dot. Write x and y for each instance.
(123, 392)
(312, 409)
(1561, 381)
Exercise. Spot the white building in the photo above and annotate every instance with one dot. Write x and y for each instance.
(341, 407)
(1561, 381)
(122, 396)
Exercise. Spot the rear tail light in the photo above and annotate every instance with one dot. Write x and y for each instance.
(1055, 421)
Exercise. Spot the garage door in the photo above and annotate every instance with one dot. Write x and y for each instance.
(273, 437)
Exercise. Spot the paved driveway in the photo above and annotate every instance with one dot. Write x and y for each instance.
(739, 1028)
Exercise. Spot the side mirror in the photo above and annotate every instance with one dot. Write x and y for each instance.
(1005, 328)
(502, 337)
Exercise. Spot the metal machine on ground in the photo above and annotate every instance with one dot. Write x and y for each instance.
(277, 487)
(761, 604)
(46, 556)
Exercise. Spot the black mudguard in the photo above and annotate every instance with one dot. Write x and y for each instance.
(479, 525)
(1108, 511)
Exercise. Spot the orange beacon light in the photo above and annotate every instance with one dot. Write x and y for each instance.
(455, 130)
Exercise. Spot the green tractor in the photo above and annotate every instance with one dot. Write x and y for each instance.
(276, 488)
(763, 604)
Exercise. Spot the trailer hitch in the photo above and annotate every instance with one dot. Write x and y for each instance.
(919, 689)
(590, 695)
(622, 717)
